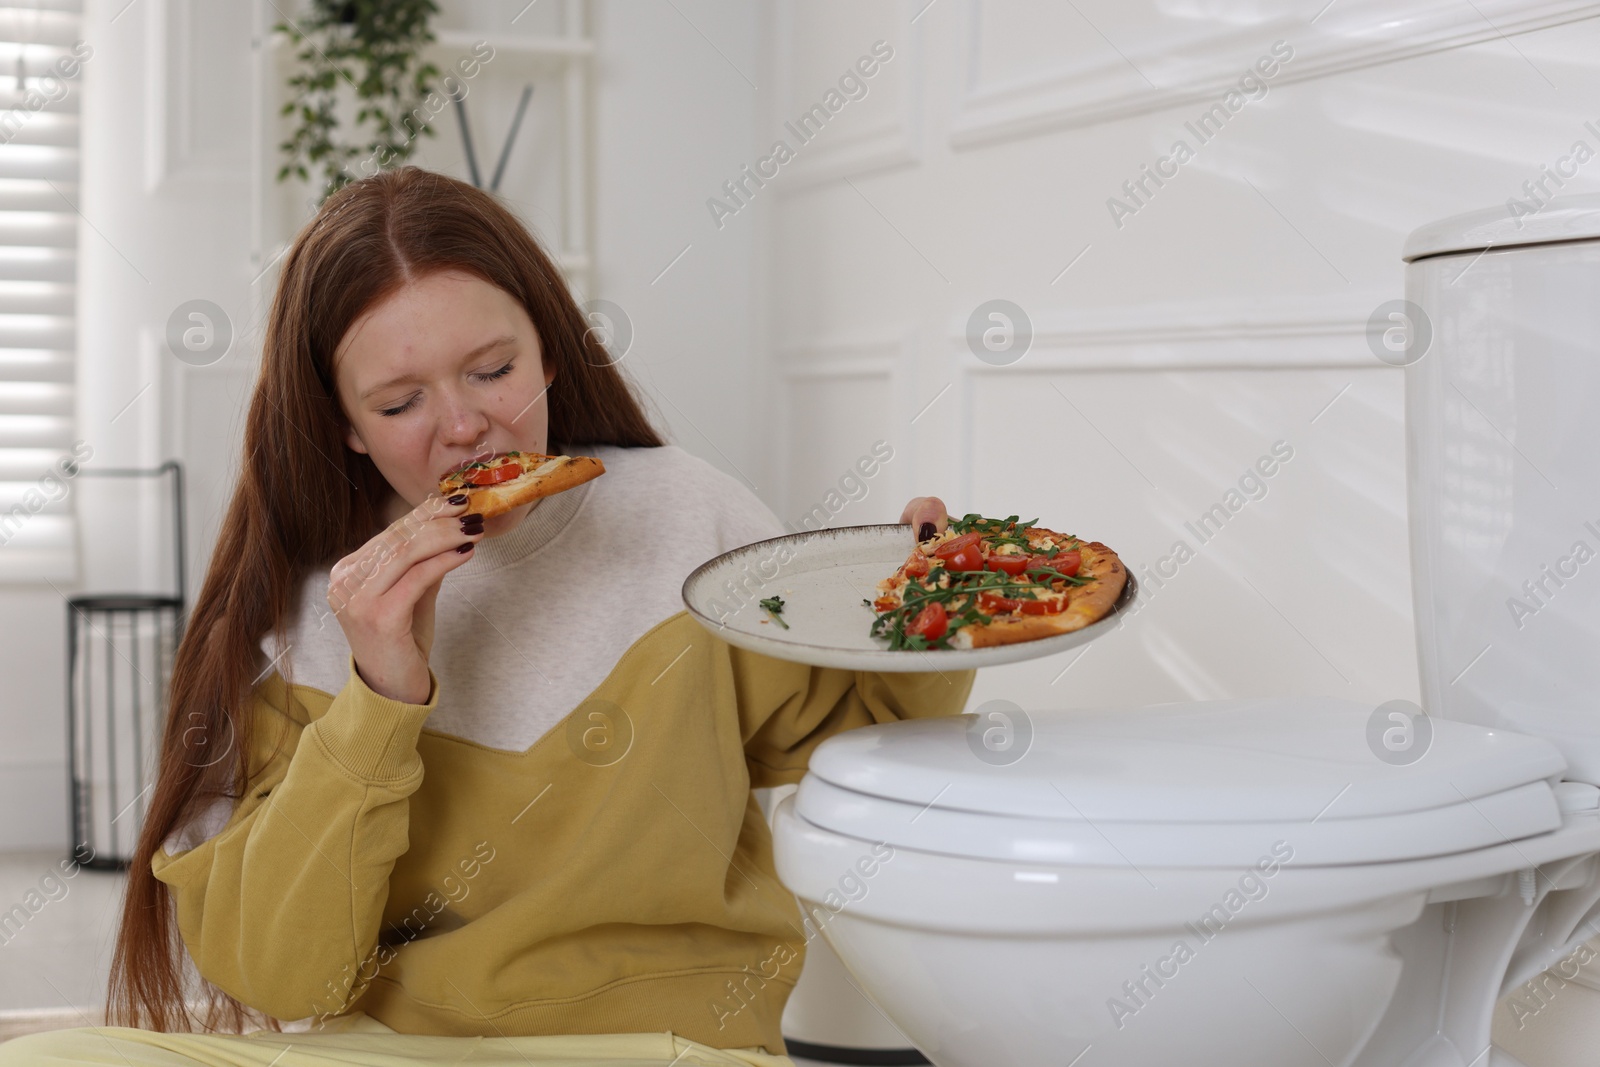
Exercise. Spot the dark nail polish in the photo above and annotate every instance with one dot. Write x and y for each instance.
(472, 517)
(925, 531)
(465, 548)
(472, 529)
(458, 499)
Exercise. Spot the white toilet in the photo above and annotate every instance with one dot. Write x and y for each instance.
(1282, 882)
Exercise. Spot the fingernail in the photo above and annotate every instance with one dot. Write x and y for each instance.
(472, 517)
(459, 498)
(925, 531)
(472, 528)
(465, 548)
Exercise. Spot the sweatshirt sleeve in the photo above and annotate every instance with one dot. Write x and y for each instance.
(787, 709)
(291, 891)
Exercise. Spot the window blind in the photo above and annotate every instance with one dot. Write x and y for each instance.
(41, 85)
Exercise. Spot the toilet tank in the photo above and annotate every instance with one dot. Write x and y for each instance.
(1500, 338)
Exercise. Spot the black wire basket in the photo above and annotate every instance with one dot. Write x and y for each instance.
(120, 648)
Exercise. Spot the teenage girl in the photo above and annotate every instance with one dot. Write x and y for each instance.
(501, 817)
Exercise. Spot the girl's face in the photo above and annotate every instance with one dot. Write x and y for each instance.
(446, 370)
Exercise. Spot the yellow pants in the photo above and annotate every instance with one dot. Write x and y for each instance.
(359, 1039)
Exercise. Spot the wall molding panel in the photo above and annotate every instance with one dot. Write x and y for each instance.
(1221, 335)
(840, 358)
(854, 362)
(893, 142)
(184, 65)
(1198, 61)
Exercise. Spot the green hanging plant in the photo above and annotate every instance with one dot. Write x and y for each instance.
(375, 47)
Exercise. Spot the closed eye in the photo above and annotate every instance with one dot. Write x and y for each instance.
(409, 404)
(494, 375)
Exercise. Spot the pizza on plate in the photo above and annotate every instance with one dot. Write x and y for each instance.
(508, 480)
(984, 582)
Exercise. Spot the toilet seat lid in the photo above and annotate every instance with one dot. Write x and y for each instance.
(1195, 783)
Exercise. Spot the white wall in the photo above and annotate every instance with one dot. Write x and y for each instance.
(1228, 312)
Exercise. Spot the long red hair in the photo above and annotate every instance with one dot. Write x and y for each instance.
(304, 500)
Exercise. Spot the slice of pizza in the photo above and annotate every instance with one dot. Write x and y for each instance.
(986, 582)
(508, 480)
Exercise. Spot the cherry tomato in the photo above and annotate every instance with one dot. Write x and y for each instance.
(494, 475)
(956, 544)
(1008, 564)
(917, 565)
(931, 622)
(1065, 562)
(968, 558)
(996, 602)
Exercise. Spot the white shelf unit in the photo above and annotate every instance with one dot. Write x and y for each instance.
(568, 55)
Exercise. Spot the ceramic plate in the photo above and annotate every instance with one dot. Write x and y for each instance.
(823, 577)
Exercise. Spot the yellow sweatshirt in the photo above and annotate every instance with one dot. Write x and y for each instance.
(563, 838)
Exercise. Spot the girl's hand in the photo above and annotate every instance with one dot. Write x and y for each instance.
(926, 515)
(384, 594)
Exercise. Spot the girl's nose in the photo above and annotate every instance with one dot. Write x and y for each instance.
(464, 424)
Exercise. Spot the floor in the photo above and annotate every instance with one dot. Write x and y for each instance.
(55, 963)
(56, 937)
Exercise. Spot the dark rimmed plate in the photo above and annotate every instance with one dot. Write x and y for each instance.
(823, 577)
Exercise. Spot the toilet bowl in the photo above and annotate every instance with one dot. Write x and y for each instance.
(1270, 881)
(1221, 882)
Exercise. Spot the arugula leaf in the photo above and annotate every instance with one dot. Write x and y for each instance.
(973, 521)
(774, 607)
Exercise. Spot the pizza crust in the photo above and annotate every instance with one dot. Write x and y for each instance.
(545, 476)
